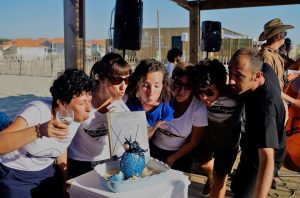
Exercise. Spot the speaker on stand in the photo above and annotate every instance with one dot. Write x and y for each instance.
(211, 38)
(128, 25)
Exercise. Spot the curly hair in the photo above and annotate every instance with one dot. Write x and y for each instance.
(138, 76)
(173, 53)
(112, 64)
(71, 82)
(210, 72)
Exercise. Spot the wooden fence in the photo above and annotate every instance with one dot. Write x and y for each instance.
(41, 66)
(50, 65)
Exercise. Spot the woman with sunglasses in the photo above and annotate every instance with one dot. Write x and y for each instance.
(90, 145)
(174, 141)
(149, 91)
(222, 135)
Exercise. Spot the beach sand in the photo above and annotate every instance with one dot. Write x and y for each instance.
(15, 91)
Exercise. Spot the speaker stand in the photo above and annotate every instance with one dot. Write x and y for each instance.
(124, 50)
(206, 55)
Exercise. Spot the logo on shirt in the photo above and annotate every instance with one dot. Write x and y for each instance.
(98, 132)
(42, 157)
(168, 132)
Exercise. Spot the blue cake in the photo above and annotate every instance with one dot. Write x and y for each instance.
(132, 162)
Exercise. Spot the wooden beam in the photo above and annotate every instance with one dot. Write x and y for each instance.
(74, 34)
(182, 3)
(226, 4)
(194, 32)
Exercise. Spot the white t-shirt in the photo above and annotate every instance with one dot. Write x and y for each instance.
(173, 134)
(91, 142)
(170, 68)
(42, 152)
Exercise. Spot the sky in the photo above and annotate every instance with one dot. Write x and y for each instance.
(45, 18)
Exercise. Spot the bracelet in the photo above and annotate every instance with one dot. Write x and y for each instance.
(38, 132)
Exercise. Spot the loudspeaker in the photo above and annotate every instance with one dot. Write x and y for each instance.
(128, 24)
(211, 39)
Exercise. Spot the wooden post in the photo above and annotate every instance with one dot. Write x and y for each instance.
(74, 34)
(194, 31)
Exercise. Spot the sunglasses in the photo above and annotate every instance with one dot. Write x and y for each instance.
(116, 80)
(207, 92)
(179, 85)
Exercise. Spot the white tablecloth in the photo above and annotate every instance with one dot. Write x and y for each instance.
(89, 185)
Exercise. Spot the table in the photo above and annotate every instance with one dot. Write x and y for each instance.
(175, 185)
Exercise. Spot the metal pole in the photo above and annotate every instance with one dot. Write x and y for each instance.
(159, 46)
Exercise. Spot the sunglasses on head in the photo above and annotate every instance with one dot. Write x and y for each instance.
(207, 92)
(116, 80)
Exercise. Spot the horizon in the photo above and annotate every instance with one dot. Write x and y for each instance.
(38, 22)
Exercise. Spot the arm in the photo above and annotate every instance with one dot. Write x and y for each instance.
(195, 137)
(18, 134)
(63, 168)
(292, 101)
(151, 130)
(293, 65)
(265, 172)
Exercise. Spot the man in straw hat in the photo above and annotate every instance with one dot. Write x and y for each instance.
(274, 33)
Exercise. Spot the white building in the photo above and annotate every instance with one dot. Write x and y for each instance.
(25, 48)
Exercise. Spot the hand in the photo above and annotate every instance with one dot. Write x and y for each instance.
(151, 130)
(170, 160)
(54, 128)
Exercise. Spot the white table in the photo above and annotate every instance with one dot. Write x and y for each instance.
(175, 185)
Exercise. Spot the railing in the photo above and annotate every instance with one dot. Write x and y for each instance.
(52, 64)
(44, 66)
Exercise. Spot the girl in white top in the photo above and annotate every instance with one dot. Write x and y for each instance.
(35, 139)
(90, 145)
(174, 141)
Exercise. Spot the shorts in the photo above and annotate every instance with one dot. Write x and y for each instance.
(182, 164)
(204, 153)
(224, 160)
(76, 167)
(27, 184)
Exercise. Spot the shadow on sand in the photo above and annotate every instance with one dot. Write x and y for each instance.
(12, 104)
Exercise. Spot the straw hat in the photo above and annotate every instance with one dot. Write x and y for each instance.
(273, 27)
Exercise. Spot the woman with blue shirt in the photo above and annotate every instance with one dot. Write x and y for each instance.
(149, 90)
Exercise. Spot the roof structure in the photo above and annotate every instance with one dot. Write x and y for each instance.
(224, 4)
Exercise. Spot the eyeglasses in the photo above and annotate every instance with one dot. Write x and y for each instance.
(207, 92)
(116, 80)
(178, 84)
(283, 34)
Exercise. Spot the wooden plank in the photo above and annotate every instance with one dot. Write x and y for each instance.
(194, 32)
(74, 33)
(225, 4)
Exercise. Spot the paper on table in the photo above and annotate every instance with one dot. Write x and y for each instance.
(123, 125)
(118, 106)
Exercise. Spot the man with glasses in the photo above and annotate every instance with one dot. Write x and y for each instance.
(274, 33)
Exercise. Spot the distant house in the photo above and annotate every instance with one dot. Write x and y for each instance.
(31, 48)
(45, 42)
(57, 46)
(95, 48)
(25, 48)
(1, 54)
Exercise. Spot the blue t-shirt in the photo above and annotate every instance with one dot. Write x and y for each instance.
(164, 111)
